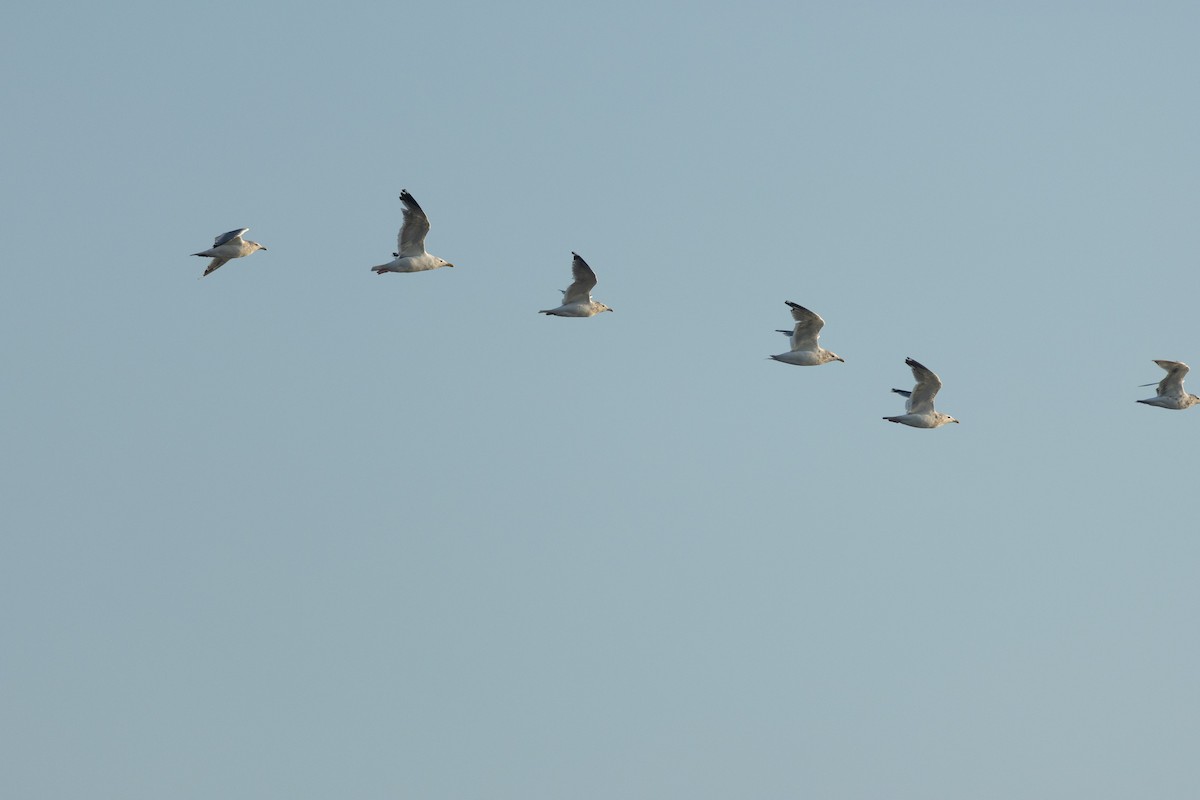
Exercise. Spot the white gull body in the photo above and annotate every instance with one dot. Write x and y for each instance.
(411, 255)
(1170, 389)
(226, 247)
(919, 404)
(577, 298)
(805, 351)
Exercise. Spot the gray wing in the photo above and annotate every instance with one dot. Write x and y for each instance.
(585, 280)
(808, 327)
(215, 264)
(928, 384)
(229, 236)
(1173, 383)
(411, 241)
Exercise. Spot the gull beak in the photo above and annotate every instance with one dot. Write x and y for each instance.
(839, 358)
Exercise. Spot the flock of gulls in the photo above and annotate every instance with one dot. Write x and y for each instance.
(577, 301)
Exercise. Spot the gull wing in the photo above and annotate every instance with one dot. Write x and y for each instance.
(229, 236)
(928, 384)
(215, 264)
(1173, 383)
(585, 280)
(411, 241)
(808, 327)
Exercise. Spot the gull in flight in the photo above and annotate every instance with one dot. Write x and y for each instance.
(805, 351)
(411, 241)
(228, 246)
(577, 298)
(920, 400)
(1170, 389)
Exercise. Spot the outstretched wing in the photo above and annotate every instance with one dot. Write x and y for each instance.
(411, 241)
(808, 327)
(229, 236)
(928, 384)
(1173, 383)
(215, 264)
(585, 280)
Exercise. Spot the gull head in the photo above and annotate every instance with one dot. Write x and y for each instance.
(602, 307)
(255, 246)
(833, 357)
(442, 263)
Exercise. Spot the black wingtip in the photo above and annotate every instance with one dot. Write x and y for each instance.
(797, 307)
(409, 200)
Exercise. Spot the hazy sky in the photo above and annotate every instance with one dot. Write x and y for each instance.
(297, 531)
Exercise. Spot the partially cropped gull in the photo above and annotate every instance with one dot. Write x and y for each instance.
(411, 256)
(577, 298)
(805, 351)
(1170, 389)
(919, 404)
(226, 247)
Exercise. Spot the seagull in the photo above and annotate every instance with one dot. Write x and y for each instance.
(411, 241)
(228, 246)
(920, 400)
(1170, 389)
(577, 298)
(805, 351)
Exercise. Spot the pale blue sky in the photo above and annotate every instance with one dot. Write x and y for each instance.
(297, 531)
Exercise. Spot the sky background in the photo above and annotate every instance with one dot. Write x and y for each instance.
(297, 531)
